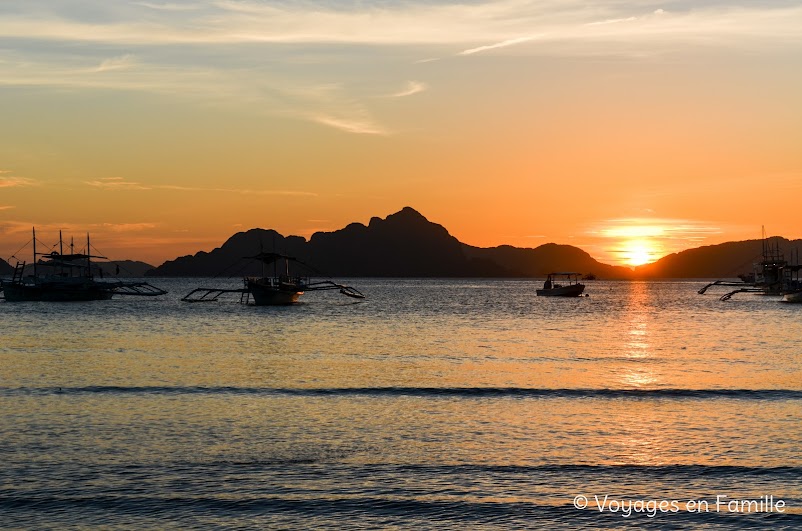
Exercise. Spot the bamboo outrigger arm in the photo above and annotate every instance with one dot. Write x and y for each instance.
(724, 283)
(139, 289)
(729, 295)
(348, 291)
(209, 294)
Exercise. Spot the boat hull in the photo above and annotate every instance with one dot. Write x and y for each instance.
(573, 290)
(55, 293)
(795, 297)
(272, 295)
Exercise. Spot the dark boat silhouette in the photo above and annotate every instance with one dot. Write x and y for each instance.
(276, 290)
(59, 277)
(561, 285)
(773, 275)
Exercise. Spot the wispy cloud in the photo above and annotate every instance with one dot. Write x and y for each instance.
(142, 46)
(6, 207)
(663, 228)
(249, 21)
(625, 240)
(118, 183)
(12, 227)
(168, 6)
(331, 105)
(612, 21)
(413, 87)
(502, 44)
(116, 63)
(362, 127)
(245, 191)
(11, 181)
(128, 227)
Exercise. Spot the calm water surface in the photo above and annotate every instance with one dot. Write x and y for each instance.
(432, 404)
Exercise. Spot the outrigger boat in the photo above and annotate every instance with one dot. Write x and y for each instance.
(773, 275)
(59, 277)
(569, 286)
(276, 290)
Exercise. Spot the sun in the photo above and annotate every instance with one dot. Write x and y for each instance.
(638, 252)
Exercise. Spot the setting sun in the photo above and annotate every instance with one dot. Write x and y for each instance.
(638, 252)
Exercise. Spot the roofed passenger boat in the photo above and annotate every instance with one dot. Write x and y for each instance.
(58, 277)
(773, 275)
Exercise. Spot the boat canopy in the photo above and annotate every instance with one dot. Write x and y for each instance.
(55, 255)
(269, 258)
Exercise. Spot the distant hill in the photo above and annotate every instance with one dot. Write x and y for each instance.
(526, 262)
(725, 260)
(128, 269)
(5, 269)
(404, 244)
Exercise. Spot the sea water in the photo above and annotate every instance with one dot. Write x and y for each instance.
(432, 404)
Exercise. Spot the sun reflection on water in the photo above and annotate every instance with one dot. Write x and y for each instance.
(637, 345)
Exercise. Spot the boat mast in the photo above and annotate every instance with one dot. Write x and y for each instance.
(61, 251)
(88, 258)
(275, 265)
(34, 251)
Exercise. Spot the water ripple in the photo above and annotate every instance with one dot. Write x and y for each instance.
(422, 392)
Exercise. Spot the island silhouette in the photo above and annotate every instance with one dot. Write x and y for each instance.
(406, 244)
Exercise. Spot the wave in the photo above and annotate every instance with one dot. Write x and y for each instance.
(421, 392)
(391, 511)
(624, 470)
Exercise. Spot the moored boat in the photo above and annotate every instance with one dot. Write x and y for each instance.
(794, 296)
(561, 285)
(58, 277)
(773, 275)
(276, 290)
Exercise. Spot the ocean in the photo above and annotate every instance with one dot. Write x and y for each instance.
(431, 404)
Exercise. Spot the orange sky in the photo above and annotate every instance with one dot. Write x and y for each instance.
(628, 130)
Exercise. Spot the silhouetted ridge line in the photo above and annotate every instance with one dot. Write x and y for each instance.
(724, 260)
(404, 244)
(430, 392)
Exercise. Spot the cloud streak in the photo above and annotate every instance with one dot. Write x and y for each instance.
(413, 87)
(502, 44)
(12, 181)
(118, 183)
(228, 22)
(249, 52)
(663, 228)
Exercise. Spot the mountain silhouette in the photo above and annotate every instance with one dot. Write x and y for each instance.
(5, 269)
(725, 260)
(109, 269)
(547, 258)
(404, 244)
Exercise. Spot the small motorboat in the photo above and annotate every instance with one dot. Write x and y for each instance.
(561, 285)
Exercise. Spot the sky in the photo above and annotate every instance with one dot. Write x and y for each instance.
(629, 129)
